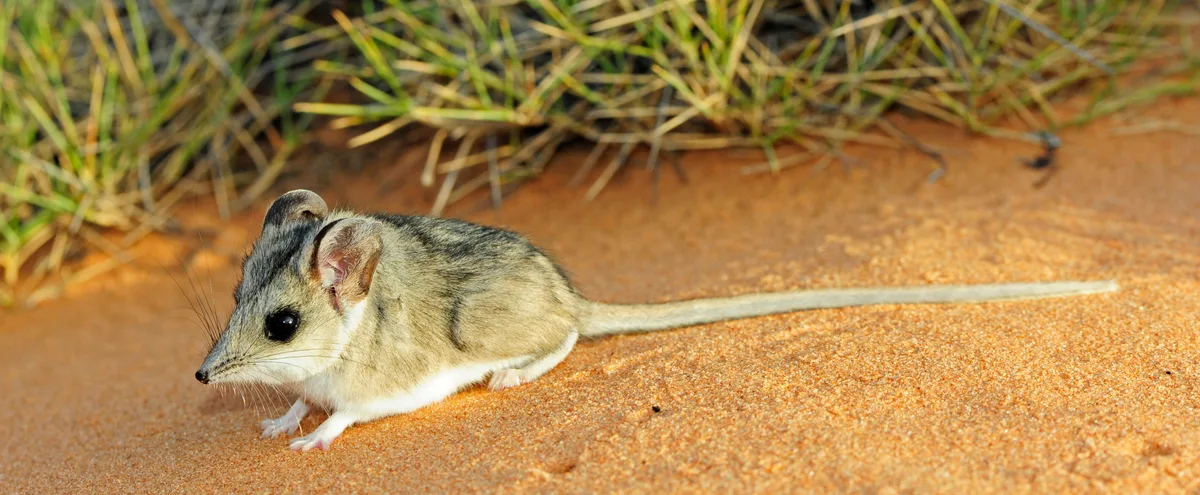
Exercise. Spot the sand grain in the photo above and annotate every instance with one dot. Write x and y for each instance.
(1090, 394)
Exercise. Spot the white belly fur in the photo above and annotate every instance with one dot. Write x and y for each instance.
(432, 390)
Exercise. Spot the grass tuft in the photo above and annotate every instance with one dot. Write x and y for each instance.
(677, 75)
(112, 111)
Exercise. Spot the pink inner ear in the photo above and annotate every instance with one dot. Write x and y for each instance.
(333, 271)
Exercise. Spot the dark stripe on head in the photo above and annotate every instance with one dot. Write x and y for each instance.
(271, 255)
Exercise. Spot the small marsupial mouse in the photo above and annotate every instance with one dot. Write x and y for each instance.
(373, 315)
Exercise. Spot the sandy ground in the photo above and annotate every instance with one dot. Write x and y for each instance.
(1089, 394)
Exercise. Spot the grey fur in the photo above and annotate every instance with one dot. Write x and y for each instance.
(386, 302)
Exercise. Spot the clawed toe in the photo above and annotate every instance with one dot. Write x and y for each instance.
(323, 437)
(274, 427)
(503, 379)
(288, 423)
(311, 441)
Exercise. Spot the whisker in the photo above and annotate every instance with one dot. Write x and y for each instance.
(269, 401)
(333, 343)
(255, 396)
(305, 353)
(192, 280)
(265, 396)
(199, 302)
(188, 298)
(271, 387)
(212, 303)
(318, 356)
(204, 338)
(280, 362)
(210, 312)
(257, 389)
(275, 357)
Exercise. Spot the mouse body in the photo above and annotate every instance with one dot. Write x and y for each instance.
(372, 315)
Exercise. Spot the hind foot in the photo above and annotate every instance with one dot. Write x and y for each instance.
(506, 378)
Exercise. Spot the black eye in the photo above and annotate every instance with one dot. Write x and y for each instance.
(281, 325)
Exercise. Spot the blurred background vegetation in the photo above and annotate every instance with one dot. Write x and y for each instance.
(113, 111)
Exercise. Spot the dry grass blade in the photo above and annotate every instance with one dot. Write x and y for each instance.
(588, 163)
(121, 107)
(114, 104)
(609, 172)
(1047, 32)
(746, 73)
(443, 196)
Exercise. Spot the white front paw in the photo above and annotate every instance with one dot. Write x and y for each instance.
(283, 424)
(324, 435)
(314, 440)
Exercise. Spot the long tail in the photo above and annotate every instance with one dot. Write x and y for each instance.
(608, 319)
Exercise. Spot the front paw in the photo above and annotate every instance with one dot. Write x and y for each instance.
(314, 440)
(324, 435)
(275, 427)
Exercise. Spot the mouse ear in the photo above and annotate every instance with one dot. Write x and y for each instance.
(300, 204)
(344, 257)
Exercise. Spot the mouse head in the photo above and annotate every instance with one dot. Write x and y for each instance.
(302, 293)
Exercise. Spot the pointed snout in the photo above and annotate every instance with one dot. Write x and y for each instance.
(202, 376)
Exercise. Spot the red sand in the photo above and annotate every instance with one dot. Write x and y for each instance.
(1086, 394)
